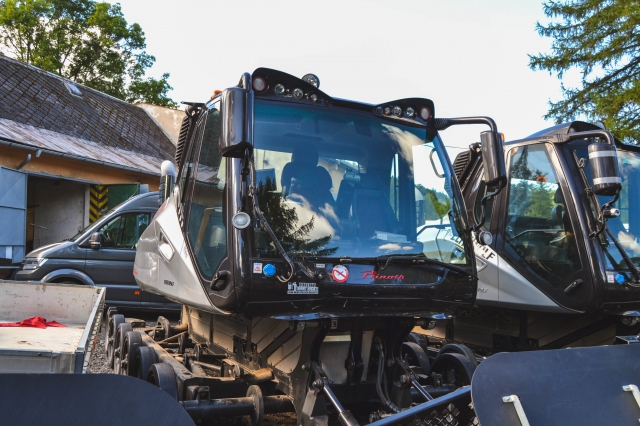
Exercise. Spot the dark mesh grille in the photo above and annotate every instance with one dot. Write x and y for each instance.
(182, 138)
(461, 163)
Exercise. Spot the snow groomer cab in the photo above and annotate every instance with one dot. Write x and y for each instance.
(308, 235)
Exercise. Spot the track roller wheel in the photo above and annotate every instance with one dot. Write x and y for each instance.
(416, 357)
(163, 376)
(144, 357)
(454, 368)
(132, 341)
(163, 329)
(257, 416)
(110, 336)
(459, 348)
(419, 339)
(119, 343)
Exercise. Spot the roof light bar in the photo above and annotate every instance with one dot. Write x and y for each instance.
(259, 84)
(312, 79)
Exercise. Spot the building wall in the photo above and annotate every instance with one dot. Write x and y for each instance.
(54, 165)
(59, 206)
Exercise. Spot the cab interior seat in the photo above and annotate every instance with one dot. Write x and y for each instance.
(303, 178)
(372, 208)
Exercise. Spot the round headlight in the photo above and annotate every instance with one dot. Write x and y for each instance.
(279, 89)
(409, 112)
(397, 111)
(241, 220)
(379, 110)
(259, 84)
(387, 111)
(425, 113)
(298, 93)
(312, 79)
(313, 97)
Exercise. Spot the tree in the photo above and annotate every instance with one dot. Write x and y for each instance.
(602, 39)
(283, 221)
(88, 42)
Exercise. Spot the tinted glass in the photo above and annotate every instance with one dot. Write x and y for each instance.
(206, 230)
(124, 231)
(626, 227)
(335, 182)
(538, 227)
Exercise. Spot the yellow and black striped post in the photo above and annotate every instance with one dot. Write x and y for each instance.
(98, 201)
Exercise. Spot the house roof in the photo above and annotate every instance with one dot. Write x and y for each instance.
(38, 109)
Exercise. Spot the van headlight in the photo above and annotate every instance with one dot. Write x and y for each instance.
(33, 263)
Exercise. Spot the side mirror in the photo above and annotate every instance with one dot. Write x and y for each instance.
(236, 122)
(95, 241)
(492, 157)
(167, 179)
(603, 159)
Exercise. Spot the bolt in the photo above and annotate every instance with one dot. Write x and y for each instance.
(305, 367)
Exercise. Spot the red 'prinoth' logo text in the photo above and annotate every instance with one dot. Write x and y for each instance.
(374, 275)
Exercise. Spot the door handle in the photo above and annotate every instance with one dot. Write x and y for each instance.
(165, 248)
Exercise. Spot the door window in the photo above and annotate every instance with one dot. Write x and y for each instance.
(538, 228)
(206, 229)
(124, 231)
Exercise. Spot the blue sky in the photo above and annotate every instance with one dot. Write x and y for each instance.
(469, 57)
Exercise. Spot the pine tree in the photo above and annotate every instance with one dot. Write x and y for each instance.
(601, 38)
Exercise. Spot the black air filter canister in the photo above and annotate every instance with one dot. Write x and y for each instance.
(603, 159)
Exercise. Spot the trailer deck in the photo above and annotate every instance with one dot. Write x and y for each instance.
(52, 349)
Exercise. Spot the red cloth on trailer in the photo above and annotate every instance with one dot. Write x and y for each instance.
(37, 322)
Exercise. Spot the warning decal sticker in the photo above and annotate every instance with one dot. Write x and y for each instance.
(302, 288)
(340, 273)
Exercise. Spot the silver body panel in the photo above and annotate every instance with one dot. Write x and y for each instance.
(500, 285)
(163, 264)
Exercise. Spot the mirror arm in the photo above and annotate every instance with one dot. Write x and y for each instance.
(587, 134)
(444, 123)
(483, 203)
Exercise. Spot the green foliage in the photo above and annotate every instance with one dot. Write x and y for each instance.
(284, 223)
(437, 204)
(601, 38)
(85, 41)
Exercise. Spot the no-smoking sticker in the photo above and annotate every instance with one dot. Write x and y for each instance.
(340, 273)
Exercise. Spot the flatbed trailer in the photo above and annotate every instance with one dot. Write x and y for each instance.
(51, 349)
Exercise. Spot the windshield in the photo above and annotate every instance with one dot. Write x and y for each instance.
(626, 227)
(337, 182)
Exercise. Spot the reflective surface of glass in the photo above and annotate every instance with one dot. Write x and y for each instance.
(337, 182)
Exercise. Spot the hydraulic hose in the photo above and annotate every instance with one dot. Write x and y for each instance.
(381, 392)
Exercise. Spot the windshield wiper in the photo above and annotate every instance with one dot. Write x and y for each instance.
(294, 266)
(419, 260)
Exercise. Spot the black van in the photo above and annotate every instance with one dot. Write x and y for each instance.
(102, 254)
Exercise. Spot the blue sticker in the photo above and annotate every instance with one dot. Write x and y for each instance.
(269, 270)
(620, 279)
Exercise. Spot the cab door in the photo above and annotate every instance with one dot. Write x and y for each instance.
(539, 236)
(111, 265)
